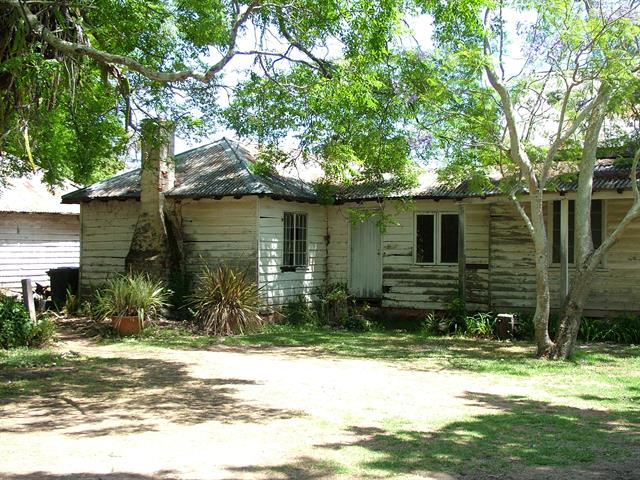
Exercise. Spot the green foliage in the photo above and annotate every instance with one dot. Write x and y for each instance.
(226, 302)
(299, 313)
(76, 107)
(357, 321)
(624, 329)
(333, 307)
(135, 294)
(15, 325)
(348, 121)
(42, 332)
(17, 329)
(457, 308)
(430, 324)
(480, 325)
(525, 328)
(71, 304)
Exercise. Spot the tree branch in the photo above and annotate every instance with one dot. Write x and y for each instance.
(74, 48)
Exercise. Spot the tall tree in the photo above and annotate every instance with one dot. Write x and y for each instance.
(73, 71)
(525, 101)
(580, 68)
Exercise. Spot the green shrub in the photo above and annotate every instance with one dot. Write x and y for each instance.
(71, 304)
(135, 294)
(225, 302)
(42, 333)
(525, 329)
(480, 325)
(15, 325)
(623, 329)
(17, 329)
(430, 324)
(457, 309)
(356, 322)
(333, 305)
(298, 313)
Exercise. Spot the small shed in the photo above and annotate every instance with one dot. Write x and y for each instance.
(37, 232)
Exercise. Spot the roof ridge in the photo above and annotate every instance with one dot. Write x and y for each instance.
(206, 145)
(255, 178)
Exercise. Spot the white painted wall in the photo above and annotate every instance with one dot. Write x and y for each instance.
(33, 243)
(277, 286)
(107, 228)
(217, 231)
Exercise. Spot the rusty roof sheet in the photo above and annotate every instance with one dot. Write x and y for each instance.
(223, 168)
(220, 169)
(608, 175)
(29, 194)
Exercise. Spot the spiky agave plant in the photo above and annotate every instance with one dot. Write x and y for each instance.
(225, 302)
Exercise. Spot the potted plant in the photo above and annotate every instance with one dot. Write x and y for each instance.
(131, 301)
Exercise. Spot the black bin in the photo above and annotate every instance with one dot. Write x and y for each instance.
(63, 279)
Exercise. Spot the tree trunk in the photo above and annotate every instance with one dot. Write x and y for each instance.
(541, 317)
(572, 307)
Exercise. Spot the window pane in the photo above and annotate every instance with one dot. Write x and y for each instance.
(556, 231)
(288, 243)
(597, 221)
(301, 240)
(449, 238)
(572, 229)
(425, 238)
(295, 240)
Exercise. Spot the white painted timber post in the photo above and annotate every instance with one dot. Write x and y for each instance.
(27, 298)
(564, 248)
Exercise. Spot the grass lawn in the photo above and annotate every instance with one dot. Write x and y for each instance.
(368, 405)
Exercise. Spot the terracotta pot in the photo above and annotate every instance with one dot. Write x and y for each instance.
(127, 325)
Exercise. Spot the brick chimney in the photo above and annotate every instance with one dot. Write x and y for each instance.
(150, 250)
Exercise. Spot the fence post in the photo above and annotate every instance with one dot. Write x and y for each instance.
(27, 298)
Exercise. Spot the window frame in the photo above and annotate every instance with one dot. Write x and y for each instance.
(551, 225)
(437, 232)
(294, 266)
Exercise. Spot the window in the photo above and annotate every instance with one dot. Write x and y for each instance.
(425, 238)
(597, 222)
(436, 238)
(295, 240)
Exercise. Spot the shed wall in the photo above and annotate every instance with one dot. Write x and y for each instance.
(220, 231)
(33, 243)
(407, 284)
(279, 286)
(616, 285)
(107, 228)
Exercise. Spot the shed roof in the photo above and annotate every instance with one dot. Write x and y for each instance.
(29, 194)
(608, 174)
(220, 169)
(223, 168)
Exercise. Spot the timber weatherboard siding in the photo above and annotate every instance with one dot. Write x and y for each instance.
(499, 268)
(512, 271)
(107, 229)
(33, 243)
(277, 286)
(407, 284)
(219, 231)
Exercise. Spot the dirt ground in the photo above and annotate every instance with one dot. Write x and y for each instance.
(227, 413)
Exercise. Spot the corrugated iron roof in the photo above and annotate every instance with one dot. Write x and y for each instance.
(29, 194)
(224, 169)
(607, 175)
(219, 169)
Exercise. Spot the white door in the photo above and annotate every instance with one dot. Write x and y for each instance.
(366, 259)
